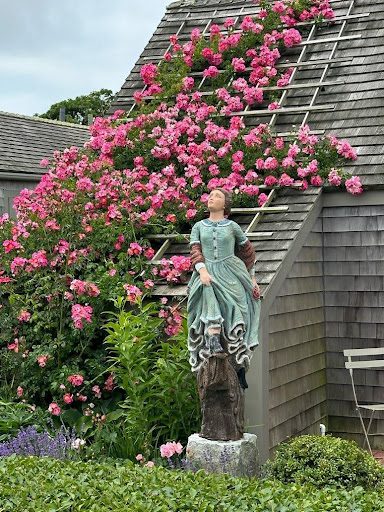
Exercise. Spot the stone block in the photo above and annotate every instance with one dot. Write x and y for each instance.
(237, 458)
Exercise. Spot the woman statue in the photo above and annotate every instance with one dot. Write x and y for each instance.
(223, 317)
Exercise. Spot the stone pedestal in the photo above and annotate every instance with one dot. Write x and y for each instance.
(237, 458)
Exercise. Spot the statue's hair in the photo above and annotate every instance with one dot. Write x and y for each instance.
(228, 200)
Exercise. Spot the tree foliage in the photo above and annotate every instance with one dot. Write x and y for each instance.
(77, 109)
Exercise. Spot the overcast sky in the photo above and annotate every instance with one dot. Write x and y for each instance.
(51, 50)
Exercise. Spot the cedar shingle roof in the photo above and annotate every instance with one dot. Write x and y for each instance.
(25, 140)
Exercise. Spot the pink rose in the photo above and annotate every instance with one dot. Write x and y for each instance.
(24, 316)
(334, 178)
(109, 383)
(353, 185)
(68, 398)
(262, 199)
(97, 391)
(54, 409)
(75, 379)
(42, 360)
(191, 213)
(171, 217)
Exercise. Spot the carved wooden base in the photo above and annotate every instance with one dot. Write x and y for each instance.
(222, 400)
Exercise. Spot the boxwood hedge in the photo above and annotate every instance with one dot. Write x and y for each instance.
(47, 485)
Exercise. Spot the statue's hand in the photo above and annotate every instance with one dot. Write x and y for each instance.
(205, 277)
(256, 291)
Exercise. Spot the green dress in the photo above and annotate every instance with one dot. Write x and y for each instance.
(228, 302)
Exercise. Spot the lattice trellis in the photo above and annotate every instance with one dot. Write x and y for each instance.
(338, 25)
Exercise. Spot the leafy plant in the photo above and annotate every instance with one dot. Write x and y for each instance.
(325, 460)
(161, 401)
(14, 416)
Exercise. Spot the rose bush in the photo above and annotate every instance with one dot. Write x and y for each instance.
(80, 239)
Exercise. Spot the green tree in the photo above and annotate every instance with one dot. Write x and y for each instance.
(95, 103)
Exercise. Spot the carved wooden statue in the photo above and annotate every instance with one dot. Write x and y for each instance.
(223, 317)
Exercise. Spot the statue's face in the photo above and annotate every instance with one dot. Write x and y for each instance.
(216, 201)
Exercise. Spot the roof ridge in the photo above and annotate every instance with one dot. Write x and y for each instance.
(200, 3)
(40, 119)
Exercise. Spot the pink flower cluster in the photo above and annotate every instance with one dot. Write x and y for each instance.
(173, 320)
(75, 379)
(84, 288)
(171, 269)
(24, 316)
(167, 159)
(80, 314)
(133, 292)
(54, 409)
(171, 448)
(42, 360)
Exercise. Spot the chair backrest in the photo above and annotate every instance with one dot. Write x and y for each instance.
(364, 363)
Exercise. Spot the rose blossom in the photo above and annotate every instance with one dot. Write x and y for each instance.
(97, 391)
(109, 383)
(334, 178)
(24, 316)
(353, 185)
(68, 398)
(54, 409)
(42, 360)
(76, 379)
(133, 292)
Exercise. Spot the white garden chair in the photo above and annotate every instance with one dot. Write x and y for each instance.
(364, 362)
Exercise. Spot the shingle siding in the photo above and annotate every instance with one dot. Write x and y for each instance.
(297, 396)
(354, 301)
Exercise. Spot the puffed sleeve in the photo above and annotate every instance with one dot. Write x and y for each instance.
(196, 254)
(240, 236)
(195, 235)
(245, 250)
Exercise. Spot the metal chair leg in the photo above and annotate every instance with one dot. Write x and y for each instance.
(364, 430)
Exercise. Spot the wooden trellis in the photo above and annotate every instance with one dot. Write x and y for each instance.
(300, 62)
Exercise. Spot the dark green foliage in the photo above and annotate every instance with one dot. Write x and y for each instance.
(95, 103)
(46, 485)
(323, 461)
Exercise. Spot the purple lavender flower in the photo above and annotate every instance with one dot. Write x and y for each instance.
(40, 444)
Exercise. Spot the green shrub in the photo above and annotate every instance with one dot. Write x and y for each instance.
(46, 485)
(161, 401)
(14, 416)
(325, 461)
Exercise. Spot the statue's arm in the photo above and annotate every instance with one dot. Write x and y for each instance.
(197, 257)
(196, 254)
(246, 252)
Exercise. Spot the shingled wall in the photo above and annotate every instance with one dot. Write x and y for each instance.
(297, 396)
(354, 304)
